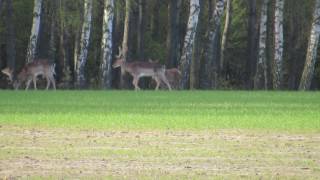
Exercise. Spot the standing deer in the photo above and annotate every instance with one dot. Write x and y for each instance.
(139, 69)
(30, 72)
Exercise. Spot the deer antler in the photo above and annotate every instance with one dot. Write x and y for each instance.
(120, 52)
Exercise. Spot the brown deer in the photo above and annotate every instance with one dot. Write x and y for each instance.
(173, 75)
(30, 72)
(140, 69)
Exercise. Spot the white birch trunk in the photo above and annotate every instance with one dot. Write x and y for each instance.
(261, 71)
(211, 69)
(84, 43)
(278, 44)
(225, 33)
(34, 31)
(125, 41)
(309, 66)
(188, 42)
(106, 45)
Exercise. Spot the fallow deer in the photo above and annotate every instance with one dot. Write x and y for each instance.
(138, 69)
(30, 72)
(173, 75)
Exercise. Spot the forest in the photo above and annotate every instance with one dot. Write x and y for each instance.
(216, 44)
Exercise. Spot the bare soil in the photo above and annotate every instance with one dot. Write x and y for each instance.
(233, 154)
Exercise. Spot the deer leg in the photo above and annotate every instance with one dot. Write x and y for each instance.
(28, 84)
(165, 80)
(48, 82)
(158, 81)
(53, 82)
(34, 79)
(135, 83)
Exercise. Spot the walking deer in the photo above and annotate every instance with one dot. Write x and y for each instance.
(140, 69)
(30, 72)
(173, 75)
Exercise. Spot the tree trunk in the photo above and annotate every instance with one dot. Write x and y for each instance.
(34, 31)
(10, 32)
(225, 34)
(141, 29)
(292, 45)
(118, 27)
(75, 56)
(125, 40)
(63, 41)
(173, 40)
(155, 19)
(106, 45)
(52, 43)
(253, 33)
(188, 42)
(84, 44)
(309, 66)
(1, 3)
(198, 48)
(278, 43)
(211, 70)
(260, 79)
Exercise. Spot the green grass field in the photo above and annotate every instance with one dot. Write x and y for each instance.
(159, 135)
(199, 110)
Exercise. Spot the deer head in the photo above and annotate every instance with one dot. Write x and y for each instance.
(9, 72)
(119, 59)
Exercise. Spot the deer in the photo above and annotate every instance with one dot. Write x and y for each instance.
(172, 74)
(138, 69)
(30, 72)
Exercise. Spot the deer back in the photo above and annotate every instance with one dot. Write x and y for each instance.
(35, 68)
(145, 68)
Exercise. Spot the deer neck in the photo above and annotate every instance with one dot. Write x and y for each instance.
(123, 67)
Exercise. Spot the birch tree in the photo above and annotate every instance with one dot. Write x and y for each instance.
(198, 47)
(261, 71)
(188, 42)
(34, 31)
(214, 25)
(309, 66)
(84, 43)
(278, 44)
(125, 39)
(106, 45)
(225, 33)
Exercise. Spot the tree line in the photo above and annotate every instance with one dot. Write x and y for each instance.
(216, 44)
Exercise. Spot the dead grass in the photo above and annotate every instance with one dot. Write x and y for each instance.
(231, 154)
